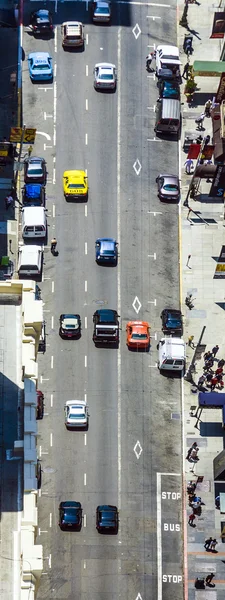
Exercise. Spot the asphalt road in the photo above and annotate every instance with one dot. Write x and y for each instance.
(131, 455)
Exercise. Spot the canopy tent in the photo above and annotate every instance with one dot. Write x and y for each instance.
(207, 68)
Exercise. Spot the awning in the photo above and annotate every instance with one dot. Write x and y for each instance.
(219, 150)
(208, 68)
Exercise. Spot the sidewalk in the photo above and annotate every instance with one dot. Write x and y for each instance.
(202, 237)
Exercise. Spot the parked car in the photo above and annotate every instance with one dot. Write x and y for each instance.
(33, 194)
(35, 170)
(41, 22)
(40, 66)
(172, 321)
(168, 187)
(167, 57)
(169, 88)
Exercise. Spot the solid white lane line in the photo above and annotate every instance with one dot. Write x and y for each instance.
(85, 247)
(86, 104)
(52, 361)
(86, 70)
(51, 400)
(52, 321)
(86, 139)
(85, 322)
(55, 37)
(85, 520)
(51, 442)
(85, 210)
(53, 287)
(85, 439)
(50, 520)
(85, 285)
(85, 360)
(85, 479)
(118, 271)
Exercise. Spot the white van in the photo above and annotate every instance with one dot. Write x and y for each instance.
(172, 354)
(30, 260)
(34, 222)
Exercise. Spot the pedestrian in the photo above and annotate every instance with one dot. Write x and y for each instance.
(219, 371)
(208, 377)
(199, 122)
(9, 201)
(208, 108)
(30, 148)
(189, 165)
(207, 543)
(213, 545)
(194, 455)
(191, 487)
(201, 380)
(208, 366)
(217, 501)
(213, 383)
(215, 350)
(209, 579)
(191, 518)
(206, 140)
(221, 362)
(193, 447)
(199, 139)
(190, 341)
(185, 71)
(199, 583)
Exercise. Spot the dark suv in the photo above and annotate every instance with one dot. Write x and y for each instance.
(107, 519)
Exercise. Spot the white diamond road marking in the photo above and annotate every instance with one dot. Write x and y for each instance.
(136, 304)
(136, 31)
(137, 166)
(139, 597)
(137, 449)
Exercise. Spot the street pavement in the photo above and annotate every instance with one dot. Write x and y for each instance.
(128, 456)
(202, 237)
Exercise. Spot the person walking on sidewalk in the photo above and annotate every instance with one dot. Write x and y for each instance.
(194, 455)
(207, 543)
(185, 71)
(219, 371)
(221, 362)
(207, 356)
(201, 380)
(191, 518)
(209, 579)
(189, 165)
(213, 383)
(190, 341)
(213, 545)
(194, 446)
(215, 350)
(9, 201)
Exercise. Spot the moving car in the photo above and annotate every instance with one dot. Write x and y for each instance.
(101, 11)
(138, 335)
(75, 185)
(76, 414)
(72, 34)
(33, 194)
(70, 326)
(105, 76)
(106, 251)
(167, 57)
(35, 170)
(169, 88)
(40, 405)
(172, 321)
(107, 519)
(41, 22)
(168, 187)
(40, 66)
(70, 516)
(106, 326)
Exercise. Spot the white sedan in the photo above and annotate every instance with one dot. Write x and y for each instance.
(105, 76)
(76, 414)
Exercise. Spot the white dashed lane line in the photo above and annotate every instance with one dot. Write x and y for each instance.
(85, 247)
(85, 439)
(52, 321)
(51, 400)
(85, 210)
(50, 520)
(53, 287)
(85, 285)
(52, 361)
(86, 139)
(51, 440)
(85, 520)
(85, 361)
(86, 39)
(86, 70)
(85, 479)
(86, 104)
(85, 322)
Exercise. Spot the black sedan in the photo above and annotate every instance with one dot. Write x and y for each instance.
(41, 22)
(35, 170)
(70, 515)
(70, 326)
(106, 251)
(107, 519)
(172, 321)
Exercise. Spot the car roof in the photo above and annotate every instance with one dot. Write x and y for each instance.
(76, 174)
(44, 56)
(107, 244)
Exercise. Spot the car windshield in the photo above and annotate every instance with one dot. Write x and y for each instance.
(76, 185)
(41, 67)
(169, 57)
(173, 321)
(102, 10)
(107, 76)
(69, 326)
(139, 336)
(171, 187)
(107, 252)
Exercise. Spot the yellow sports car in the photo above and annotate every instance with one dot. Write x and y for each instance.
(75, 185)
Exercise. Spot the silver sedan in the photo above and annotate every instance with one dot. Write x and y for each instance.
(105, 76)
(168, 187)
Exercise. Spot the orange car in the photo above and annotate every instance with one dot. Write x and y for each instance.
(138, 334)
